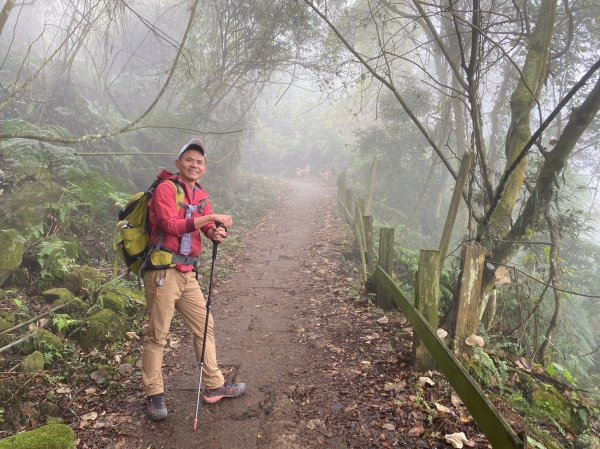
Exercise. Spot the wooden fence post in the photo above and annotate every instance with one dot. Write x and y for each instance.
(465, 167)
(341, 184)
(466, 316)
(386, 259)
(359, 232)
(368, 227)
(427, 296)
(370, 187)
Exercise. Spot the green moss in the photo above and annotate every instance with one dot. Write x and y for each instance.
(104, 327)
(84, 278)
(11, 253)
(55, 294)
(51, 436)
(547, 402)
(76, 306)
(33, 363)
(542, 437)
(112, 301)
(6, 321)
(42, 340)
(135, 296)
(588, 440)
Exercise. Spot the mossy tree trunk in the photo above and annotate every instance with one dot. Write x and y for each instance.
(6, 9)
(554, 163)
(522, 101)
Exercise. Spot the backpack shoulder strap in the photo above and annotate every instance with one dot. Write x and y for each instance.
(179, 193)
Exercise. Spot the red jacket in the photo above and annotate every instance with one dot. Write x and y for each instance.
(166, 215)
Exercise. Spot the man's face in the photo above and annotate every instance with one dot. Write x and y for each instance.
(191, 165)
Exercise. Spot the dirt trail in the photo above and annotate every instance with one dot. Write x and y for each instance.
(255, 311)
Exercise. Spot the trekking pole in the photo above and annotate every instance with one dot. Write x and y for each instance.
(210, 282)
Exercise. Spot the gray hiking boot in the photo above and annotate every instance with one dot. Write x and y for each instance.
(228, 390)
(155, 407)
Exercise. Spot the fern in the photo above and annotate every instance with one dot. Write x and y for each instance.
(486, 370)
(56, 257)
(63, 322)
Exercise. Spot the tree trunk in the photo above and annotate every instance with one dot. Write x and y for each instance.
(540, 355)
(6, 9)
(522, 100)
(554, 163)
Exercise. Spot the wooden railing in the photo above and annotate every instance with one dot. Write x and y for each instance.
(429, 349)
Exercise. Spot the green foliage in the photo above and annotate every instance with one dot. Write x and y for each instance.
(56, 257)
(485, 370)
(535, 444)
(94, 194)
(21, 305)
(63, 322)
(519, 403)
(558, 371)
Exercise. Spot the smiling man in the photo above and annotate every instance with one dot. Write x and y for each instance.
(179, 210)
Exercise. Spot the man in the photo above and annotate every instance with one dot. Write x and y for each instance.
(169, 276)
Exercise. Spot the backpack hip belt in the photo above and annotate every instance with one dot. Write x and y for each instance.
(161, 259)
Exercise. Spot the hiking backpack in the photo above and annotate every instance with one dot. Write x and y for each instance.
(132, 242)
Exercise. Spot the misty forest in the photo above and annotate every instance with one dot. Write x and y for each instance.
(437, 151)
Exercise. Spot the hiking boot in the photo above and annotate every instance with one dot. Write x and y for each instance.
(226, 391)
(155, 407)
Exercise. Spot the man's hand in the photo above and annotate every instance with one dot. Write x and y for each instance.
(223, 220)
(217, 235)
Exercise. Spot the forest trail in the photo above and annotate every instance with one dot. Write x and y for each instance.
(255, 312)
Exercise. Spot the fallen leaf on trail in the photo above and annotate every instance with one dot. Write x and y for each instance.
(457, 440)
(132, 336)
(314, 424)
(424, 380)
(475, 341)
(99, 376)
(125, 368)
(397, 387)
(335, 349)
(442, 333)
(91, 416)
(389, 426)
(63, 390)
(42, 322)
(442, 408)
(416, 431)
(365, 363)
(456, 401)
(383, 320)
(91, 391)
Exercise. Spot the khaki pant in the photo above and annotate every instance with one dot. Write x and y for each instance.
(167, 291)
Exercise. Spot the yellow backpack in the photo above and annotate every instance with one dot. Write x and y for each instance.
(132, 241)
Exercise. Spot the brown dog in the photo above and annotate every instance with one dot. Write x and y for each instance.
(303, 172)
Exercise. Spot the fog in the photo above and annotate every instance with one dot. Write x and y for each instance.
(273, 87)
